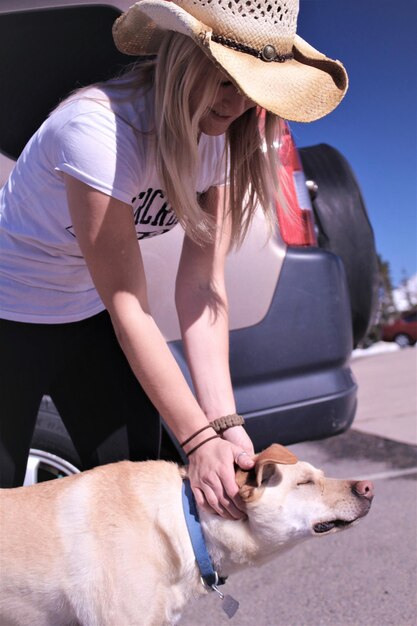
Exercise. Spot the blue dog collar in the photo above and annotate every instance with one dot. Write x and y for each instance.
(209, 576)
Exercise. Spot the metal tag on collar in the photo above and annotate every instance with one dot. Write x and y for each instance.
(229, 604)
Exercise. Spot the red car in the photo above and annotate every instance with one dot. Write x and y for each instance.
(402, 330)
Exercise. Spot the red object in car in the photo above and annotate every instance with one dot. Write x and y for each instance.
(403, 330)
(295, 215)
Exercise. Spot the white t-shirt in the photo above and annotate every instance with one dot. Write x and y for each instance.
(43, 275)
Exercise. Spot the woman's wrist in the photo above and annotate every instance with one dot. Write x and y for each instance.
(214, 429)
(198, 438)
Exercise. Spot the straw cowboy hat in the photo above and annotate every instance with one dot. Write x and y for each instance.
(254, 42)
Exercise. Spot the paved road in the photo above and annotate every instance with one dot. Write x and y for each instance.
(367, 575)
(388, 395)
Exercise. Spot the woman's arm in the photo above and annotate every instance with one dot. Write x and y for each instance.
(107, 237)
(202, 307)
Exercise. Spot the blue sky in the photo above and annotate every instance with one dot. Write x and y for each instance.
(375, 126)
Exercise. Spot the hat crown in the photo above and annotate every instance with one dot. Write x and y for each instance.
(255, 23)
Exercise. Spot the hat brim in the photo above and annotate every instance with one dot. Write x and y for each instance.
(302, 89)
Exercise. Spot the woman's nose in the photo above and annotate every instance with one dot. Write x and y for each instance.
(235, 100)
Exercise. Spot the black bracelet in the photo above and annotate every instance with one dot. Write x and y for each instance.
(184, 443)
(202, 443)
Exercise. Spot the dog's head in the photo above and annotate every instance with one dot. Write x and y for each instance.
(290, 499)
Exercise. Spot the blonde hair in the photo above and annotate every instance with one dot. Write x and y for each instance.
(251, 165)
(251, 162)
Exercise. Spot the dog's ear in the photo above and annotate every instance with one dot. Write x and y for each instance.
(277, 454)
(251, 481)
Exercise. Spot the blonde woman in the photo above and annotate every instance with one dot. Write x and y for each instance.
(180, 138)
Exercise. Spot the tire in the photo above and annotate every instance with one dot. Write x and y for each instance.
(403, 340)
(344, 229)
(52, 454)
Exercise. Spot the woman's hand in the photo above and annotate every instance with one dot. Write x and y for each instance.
(239, 436)
(212, 476)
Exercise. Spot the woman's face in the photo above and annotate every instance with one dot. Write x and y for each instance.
(228, 105)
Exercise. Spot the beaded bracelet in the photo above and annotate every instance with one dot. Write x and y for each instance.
(228, 421)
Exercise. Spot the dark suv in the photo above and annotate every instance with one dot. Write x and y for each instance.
(299, 301)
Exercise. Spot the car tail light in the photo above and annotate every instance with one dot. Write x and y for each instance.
(295, 214)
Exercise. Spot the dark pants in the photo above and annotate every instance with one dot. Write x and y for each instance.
(81, 366)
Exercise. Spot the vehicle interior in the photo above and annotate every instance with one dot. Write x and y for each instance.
(56, 50)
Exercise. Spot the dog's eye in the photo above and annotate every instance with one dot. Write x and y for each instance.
(305, 482)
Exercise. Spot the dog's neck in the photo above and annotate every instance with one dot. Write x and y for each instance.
(233, 545)
(229, 543)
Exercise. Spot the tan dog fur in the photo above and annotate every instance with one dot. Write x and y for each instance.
(110, 547)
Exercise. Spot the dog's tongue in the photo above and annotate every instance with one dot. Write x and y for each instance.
(277, 454)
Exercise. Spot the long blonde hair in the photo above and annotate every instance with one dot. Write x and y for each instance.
(251, 162)
(180, 69)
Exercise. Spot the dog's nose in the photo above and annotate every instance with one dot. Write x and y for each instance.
(364, 488)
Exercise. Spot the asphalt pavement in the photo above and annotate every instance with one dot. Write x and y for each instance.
(366, 576)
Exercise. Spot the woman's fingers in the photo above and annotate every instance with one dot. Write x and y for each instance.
(240, 438)
(212, 477)
(222, 505)
(243, 460)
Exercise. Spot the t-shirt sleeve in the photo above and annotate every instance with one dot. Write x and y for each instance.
(101, 150)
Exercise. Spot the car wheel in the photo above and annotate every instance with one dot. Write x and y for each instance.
(403, 340)
(344, 228)
(43, 466)
(52, 454)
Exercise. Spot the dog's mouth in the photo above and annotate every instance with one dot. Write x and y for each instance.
(325, 527)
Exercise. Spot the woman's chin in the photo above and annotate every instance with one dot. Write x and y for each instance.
(214, 124)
